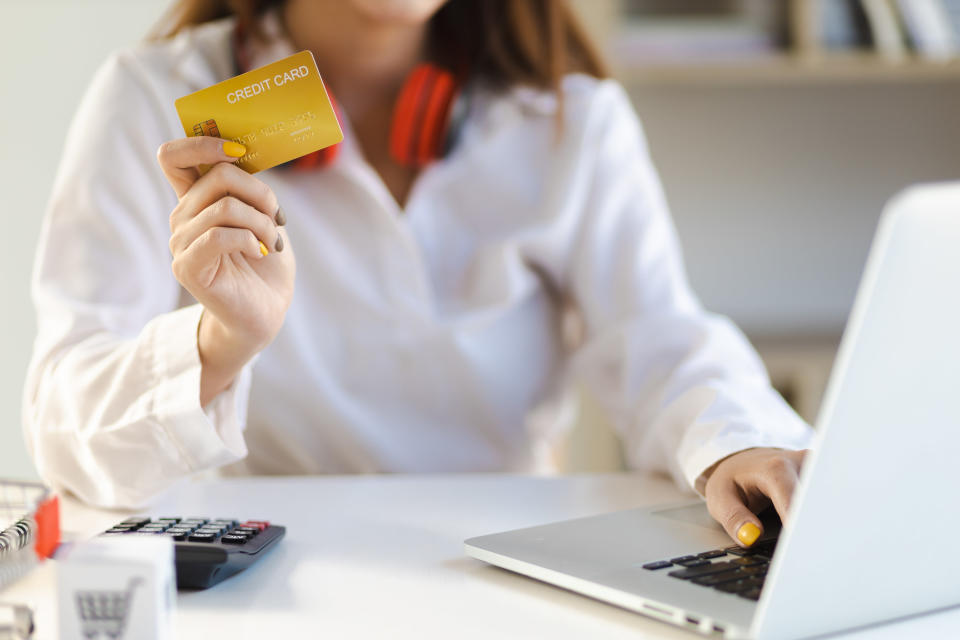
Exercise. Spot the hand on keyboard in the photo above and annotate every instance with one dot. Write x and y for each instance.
(745, 483)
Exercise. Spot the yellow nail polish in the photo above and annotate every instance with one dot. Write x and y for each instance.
(264, 251)
(234, 149)
(748, 534)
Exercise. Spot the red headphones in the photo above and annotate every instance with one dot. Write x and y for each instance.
(424, 125)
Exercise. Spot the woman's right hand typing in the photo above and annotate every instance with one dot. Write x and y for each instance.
(230, 252)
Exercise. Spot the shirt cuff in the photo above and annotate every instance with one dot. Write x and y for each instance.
(732, 439)
(205, 439)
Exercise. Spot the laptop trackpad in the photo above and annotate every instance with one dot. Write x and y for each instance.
(691, 514)
(697, 514)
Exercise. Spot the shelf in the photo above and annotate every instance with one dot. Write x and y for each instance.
(787, 69)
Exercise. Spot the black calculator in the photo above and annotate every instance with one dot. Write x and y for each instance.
(207, 551)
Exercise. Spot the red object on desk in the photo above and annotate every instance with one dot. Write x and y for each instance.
(48, 527)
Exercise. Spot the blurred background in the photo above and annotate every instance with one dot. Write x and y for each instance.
(780, 128)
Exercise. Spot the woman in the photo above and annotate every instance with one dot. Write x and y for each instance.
(426, 329)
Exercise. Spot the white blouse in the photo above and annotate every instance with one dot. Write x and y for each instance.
(428, 338)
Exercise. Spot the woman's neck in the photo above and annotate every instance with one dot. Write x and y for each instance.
(364, 61)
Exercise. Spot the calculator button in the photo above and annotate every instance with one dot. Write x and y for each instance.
(215, 534)
(233, 539)
(179, 536)
(251, 531)
(168, 521)
(260, 525)
(224, 522)
(194, 521)
(214, 530)
(202, 537)
(137, 522)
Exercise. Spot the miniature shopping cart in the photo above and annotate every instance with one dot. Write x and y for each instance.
(29, 527)
(103, 614)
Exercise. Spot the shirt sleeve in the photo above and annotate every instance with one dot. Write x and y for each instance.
(112, 399)
(683, 387)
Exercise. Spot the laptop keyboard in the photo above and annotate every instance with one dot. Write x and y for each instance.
(732, 570)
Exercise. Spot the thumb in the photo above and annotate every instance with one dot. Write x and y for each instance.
(738, 521)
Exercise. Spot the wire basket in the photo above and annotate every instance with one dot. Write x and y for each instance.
(29, 527)
(104, 613)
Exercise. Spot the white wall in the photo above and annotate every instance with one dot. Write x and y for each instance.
(49, 50)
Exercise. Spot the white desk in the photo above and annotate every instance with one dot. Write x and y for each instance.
(382, 557)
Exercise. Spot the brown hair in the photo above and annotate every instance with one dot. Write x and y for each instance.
(507, 42)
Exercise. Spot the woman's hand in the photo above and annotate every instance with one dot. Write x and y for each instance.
(746, 483)
(229, 252)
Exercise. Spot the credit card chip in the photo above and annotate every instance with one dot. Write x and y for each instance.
(206, 128)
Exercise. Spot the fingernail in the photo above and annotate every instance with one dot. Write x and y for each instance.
(279, 245)
(748, 534)
(234, 149)
(263, 249)
(280, 217)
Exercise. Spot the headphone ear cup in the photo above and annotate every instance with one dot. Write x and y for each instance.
(421, 116)
(328, 155)
(318, 159)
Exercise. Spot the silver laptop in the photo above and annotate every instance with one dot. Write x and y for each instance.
(874, 524)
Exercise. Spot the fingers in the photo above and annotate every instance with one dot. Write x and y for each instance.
(227, 180)
(227, 212)
(727, 507)
(179, 159)
(778, 480)
(745, 483)
(197, 266)
(219, 216)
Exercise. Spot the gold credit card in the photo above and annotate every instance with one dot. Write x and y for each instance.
(279, 112)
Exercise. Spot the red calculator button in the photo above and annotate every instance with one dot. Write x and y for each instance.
(256, 524)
